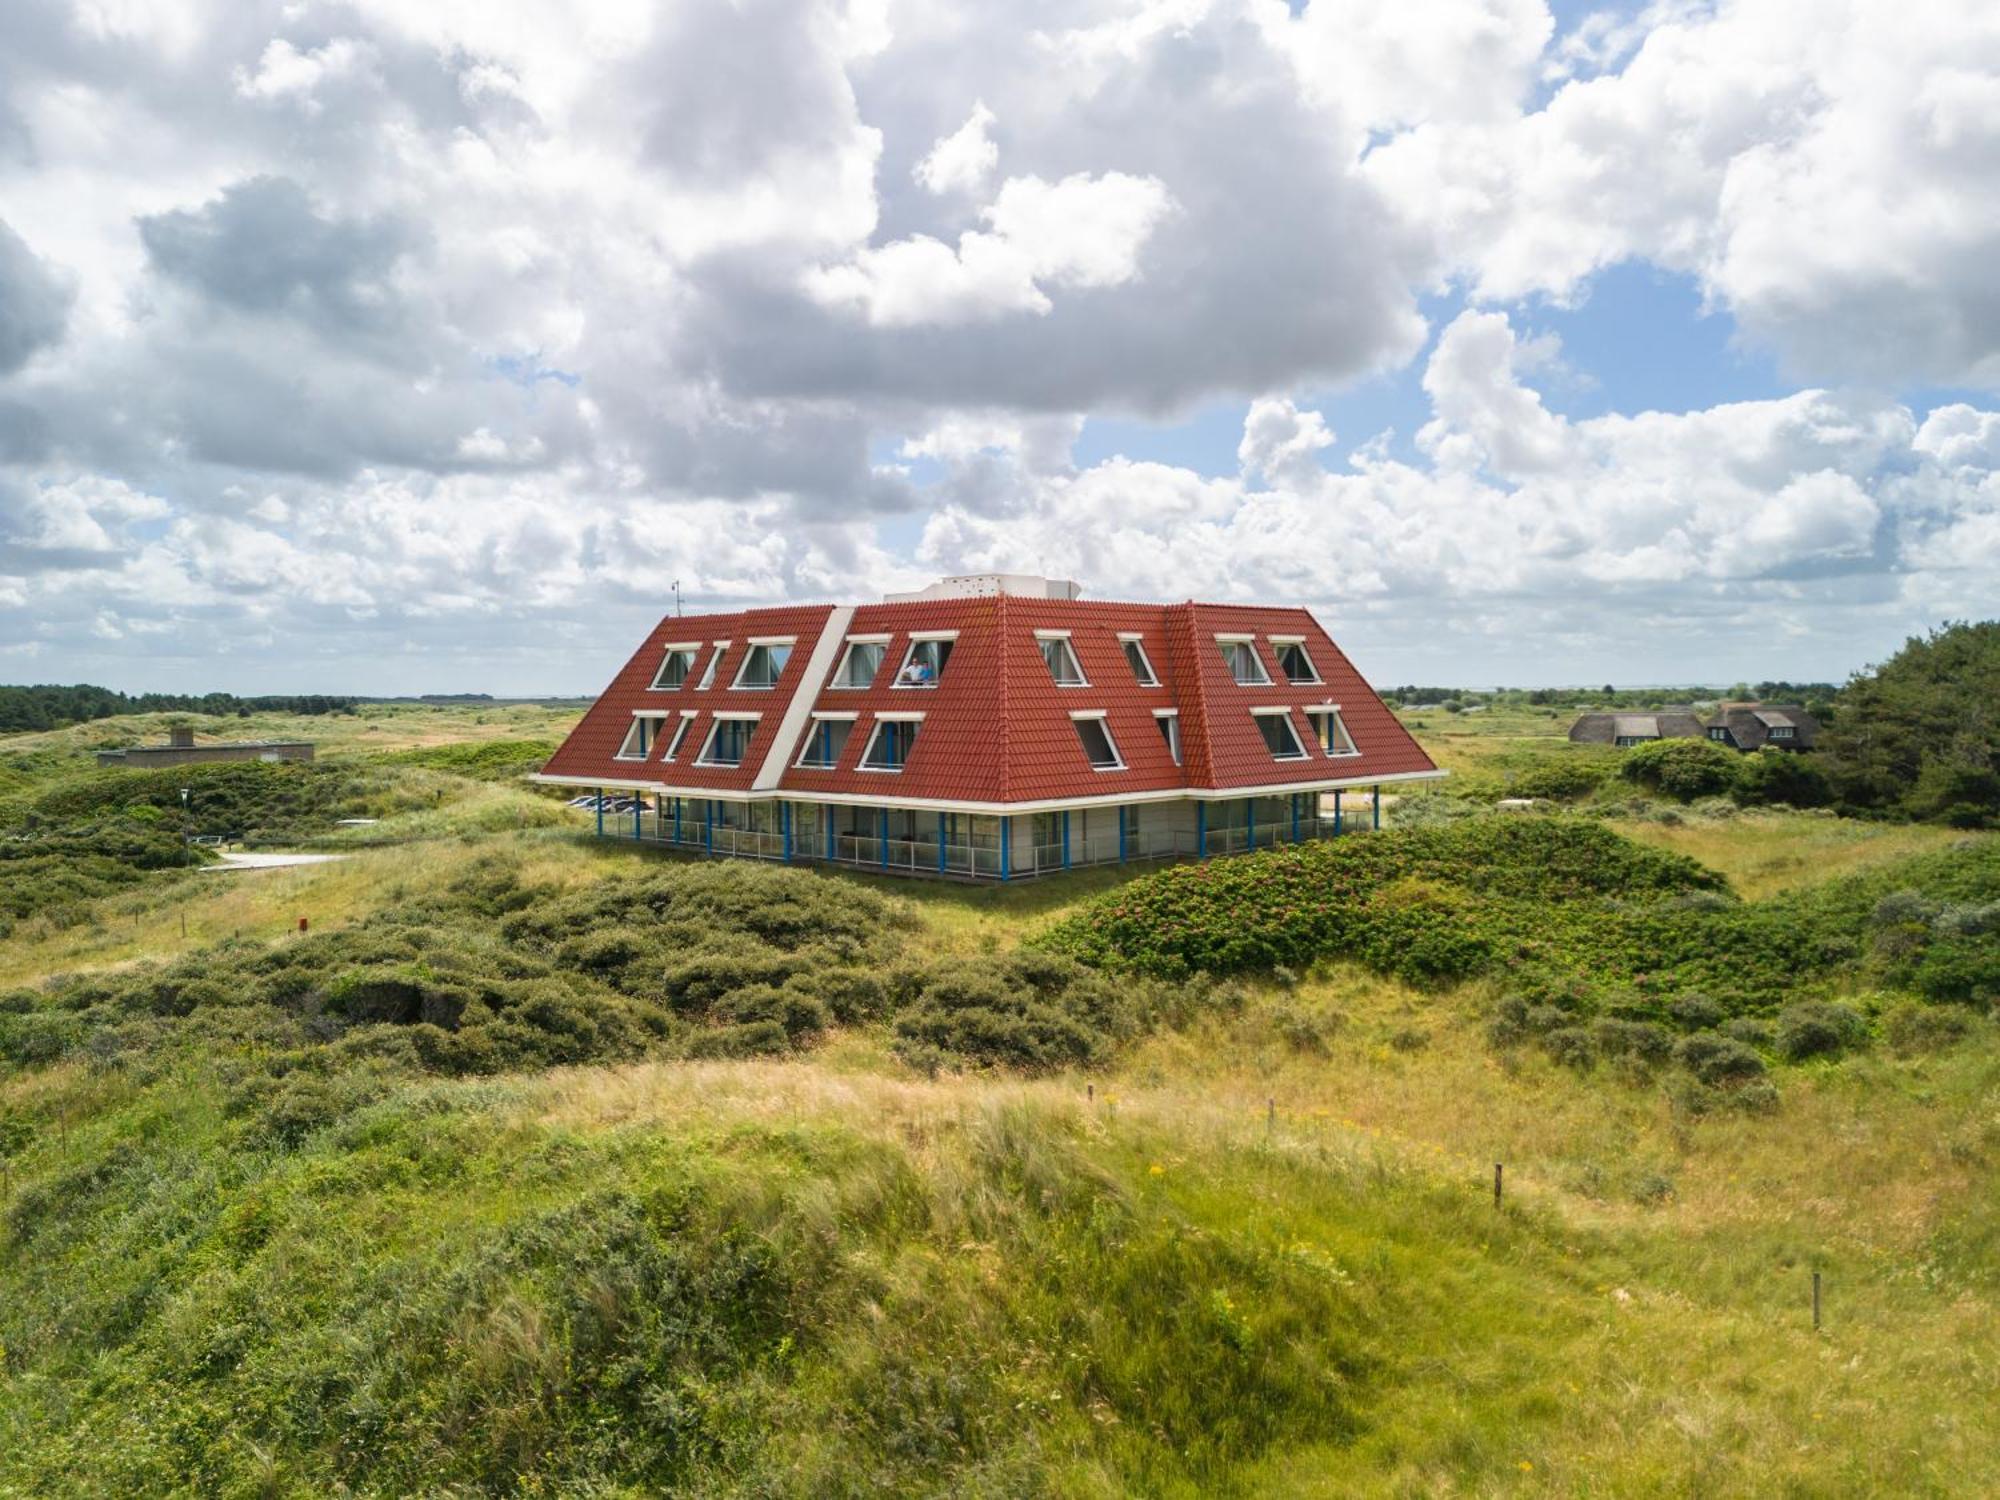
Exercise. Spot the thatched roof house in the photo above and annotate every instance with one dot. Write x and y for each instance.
(1635, 729)
(1751, 726)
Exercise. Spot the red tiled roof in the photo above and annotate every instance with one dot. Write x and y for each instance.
(997, 729)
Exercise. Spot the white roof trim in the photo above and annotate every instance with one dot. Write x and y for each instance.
(657, 713)
(850, 715)
(682, 646)
(900, 718)
(1089, 713)
(1052, 635)
(1236, 638)
(933, 635)
(737, 713)
(1132, 635)
(1166, 713)
(771, 640)
(1266, 709)
(1286, 640)
(872, 639)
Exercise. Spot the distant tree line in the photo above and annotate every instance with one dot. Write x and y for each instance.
(51, 706)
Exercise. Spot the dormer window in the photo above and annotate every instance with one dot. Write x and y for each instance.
(708, 672)
(675, 669)
(1239, 654)
(1330, 731)
(640, 737)
(1783, 732)
(763, 664)
(890, 746)
(1170, 731)
(1294, 662)
(1061, 659)
(728, 742)
(680, 733)
(1719, 734)
(827, 741)
(1280, 738)
(1098, 747)
(863, 660)
(1138, 661)
(923, 663)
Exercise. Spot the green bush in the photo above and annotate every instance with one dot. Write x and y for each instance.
(1817, 1029)
(1562, 780)
(1769, 777)
(1683, 768)
(1718, 1060)
(1030, 1011)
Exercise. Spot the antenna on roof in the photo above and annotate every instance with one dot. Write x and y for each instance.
(677, 596)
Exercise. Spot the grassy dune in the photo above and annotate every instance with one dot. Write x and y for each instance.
(1256, 1255)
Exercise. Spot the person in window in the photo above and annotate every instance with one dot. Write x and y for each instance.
(923, 666)
(912, 674)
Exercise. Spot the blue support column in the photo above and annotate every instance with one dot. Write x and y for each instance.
(1296, 796)
(1065, 841)
(785, 828)
(638, 812)
(941, 843)
(708, 825)
(1006, 847)
(1336, 812)
(1378, 807)
(1201, 830)
(832, 834)
(884, 840)
(600, 812)
(677, 820)
(1121, 835)
(1250, 820)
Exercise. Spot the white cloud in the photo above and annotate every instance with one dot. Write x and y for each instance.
(1083, 231)
(962, 161)
(286, 73)
(1824, 167)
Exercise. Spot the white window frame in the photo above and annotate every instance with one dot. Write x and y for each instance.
(1278, 645)
(692, 650)
(715, 727)
(688, 716)
(838, 682)
(1130, 640)
(805, 749)
(1783, 732)
(1099, 715)
(714, 661)
(1249, 643)
(1290, 728)
(1042, 638)
(876, 734)
(1332, 711)
(640, 716)
(1171, 717)
(765, 642)
(918, 638)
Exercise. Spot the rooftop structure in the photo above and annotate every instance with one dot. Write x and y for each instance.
(181, 750)
(1627, 729)
(993, 727)
(1752, 726)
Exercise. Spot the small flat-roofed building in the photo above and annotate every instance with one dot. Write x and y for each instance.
(992, 727)
(181, 749)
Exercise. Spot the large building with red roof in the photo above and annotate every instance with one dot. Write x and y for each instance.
(995, 726)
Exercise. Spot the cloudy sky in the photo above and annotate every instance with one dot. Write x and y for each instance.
(363, 345)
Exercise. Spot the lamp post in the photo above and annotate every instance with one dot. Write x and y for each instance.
(187, 824)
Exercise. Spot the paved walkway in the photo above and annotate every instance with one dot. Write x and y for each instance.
(269, 861)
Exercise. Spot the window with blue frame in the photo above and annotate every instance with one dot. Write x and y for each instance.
(824, 745)
(762, 666)
(728, 743)
(889, 749)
